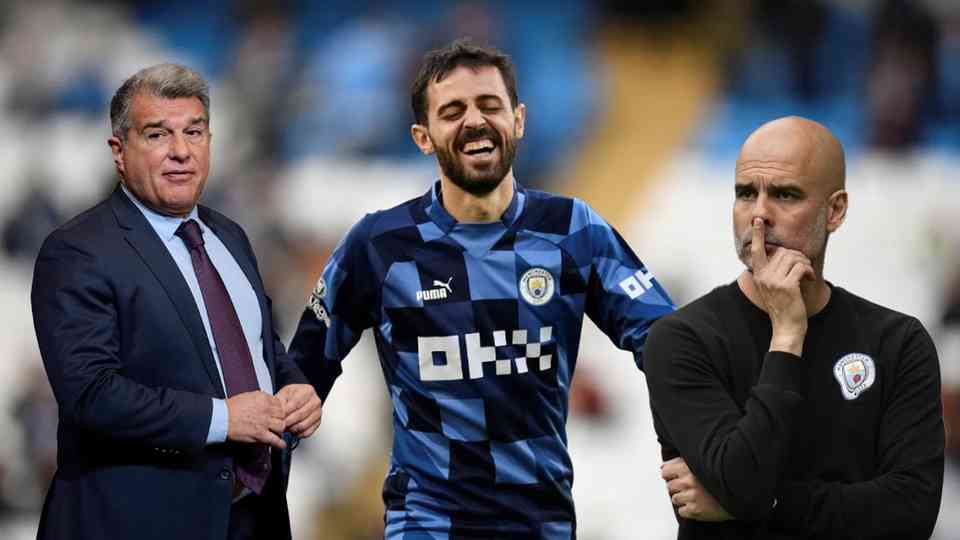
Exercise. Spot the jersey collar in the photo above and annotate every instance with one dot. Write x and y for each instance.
(439, 215)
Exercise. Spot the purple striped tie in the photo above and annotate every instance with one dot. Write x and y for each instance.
(252, 465)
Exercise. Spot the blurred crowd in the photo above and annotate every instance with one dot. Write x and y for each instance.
(310, 120)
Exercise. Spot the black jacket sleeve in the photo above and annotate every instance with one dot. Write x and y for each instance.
(903, 500)
(738, 455)
(76, 320)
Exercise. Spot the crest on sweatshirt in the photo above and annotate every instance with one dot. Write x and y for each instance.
(855, 372)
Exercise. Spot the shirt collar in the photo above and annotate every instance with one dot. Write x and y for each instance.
(445, 221)
(165, 226)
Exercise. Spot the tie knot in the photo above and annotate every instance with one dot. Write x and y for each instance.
(189, 231)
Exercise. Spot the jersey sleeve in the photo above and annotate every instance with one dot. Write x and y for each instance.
(623, 298)
(738, 455)
(340, 308)
(903, 500)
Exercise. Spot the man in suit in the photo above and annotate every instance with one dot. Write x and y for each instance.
(174, 391)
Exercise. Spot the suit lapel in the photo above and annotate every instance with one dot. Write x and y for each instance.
(148, 245)
(235, 246)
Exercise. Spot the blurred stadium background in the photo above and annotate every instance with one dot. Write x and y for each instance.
(637, 107)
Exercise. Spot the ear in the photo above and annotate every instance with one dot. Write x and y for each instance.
(836, 210)
(116, 148)
(421, 137)
(519, 120)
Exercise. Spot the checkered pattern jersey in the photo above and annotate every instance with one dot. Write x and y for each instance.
(477, 328)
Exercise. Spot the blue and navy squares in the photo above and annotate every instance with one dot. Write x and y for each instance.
(477, 328)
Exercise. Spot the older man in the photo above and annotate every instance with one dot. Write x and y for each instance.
(786, 406)
(156, 333)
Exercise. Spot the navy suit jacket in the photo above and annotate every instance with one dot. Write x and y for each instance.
(133, 374)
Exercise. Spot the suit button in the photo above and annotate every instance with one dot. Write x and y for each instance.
(224, 474)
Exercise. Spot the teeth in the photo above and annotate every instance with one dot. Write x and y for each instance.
(478, 145)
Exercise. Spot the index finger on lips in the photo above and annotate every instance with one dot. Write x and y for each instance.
(758, 249)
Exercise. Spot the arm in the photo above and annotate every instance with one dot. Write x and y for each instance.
(738, 455)
(903, 499)
(343, 304)
(75, 317)
(302, 407)
(287, 371)
(623, 298)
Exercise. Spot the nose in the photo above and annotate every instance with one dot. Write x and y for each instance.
(761, 209)
(474, 118)
(178, 149)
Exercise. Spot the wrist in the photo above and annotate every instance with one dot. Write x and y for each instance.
(791, 343)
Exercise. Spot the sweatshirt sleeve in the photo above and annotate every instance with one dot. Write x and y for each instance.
(738, 455)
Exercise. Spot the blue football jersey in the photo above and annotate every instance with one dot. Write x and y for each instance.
(477, 328)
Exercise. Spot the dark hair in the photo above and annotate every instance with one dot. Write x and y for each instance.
(438, 63)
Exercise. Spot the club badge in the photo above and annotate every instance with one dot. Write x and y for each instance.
(536, 286)
(316, 302)
(855, 373)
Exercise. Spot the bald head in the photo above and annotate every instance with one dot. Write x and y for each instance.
(791, 174)
(802, 146)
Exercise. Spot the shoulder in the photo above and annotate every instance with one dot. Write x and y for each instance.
(549, 213)
(396, 220)
(379, 234)
(684, 339)
(875, 318)
(703, 314)
(88, 232)
(893, 330)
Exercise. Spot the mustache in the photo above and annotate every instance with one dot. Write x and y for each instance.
(471, 134)
(747, 239)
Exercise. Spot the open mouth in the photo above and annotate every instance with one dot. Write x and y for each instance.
(482, 147)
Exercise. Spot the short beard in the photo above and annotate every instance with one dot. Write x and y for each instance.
(815, 249)
(484, 181)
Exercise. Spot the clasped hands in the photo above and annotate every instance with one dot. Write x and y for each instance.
(688, 495)
(258, 417)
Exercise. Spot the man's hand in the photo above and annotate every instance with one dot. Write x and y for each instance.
(256, 417)
(303, 409)
(688, 495)
(778, 284)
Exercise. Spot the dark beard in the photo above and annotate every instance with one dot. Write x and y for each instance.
(484, 181)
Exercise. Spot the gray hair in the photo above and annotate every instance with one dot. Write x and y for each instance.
(170, 81)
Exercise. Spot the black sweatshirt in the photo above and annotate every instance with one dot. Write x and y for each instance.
(780, 441)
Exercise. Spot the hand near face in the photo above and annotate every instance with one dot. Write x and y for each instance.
(303, 409)
(778, 283)
(688, 495)
(256, 417)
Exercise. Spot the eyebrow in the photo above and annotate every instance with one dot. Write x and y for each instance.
(459, 103)
(484, 97)
(160, 123)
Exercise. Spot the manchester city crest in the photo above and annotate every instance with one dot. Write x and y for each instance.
(537, 286)
(855, 373)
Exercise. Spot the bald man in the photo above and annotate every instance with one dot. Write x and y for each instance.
(785, 406)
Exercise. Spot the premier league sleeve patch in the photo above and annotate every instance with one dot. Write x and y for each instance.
(855, 373)
(316, 302)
